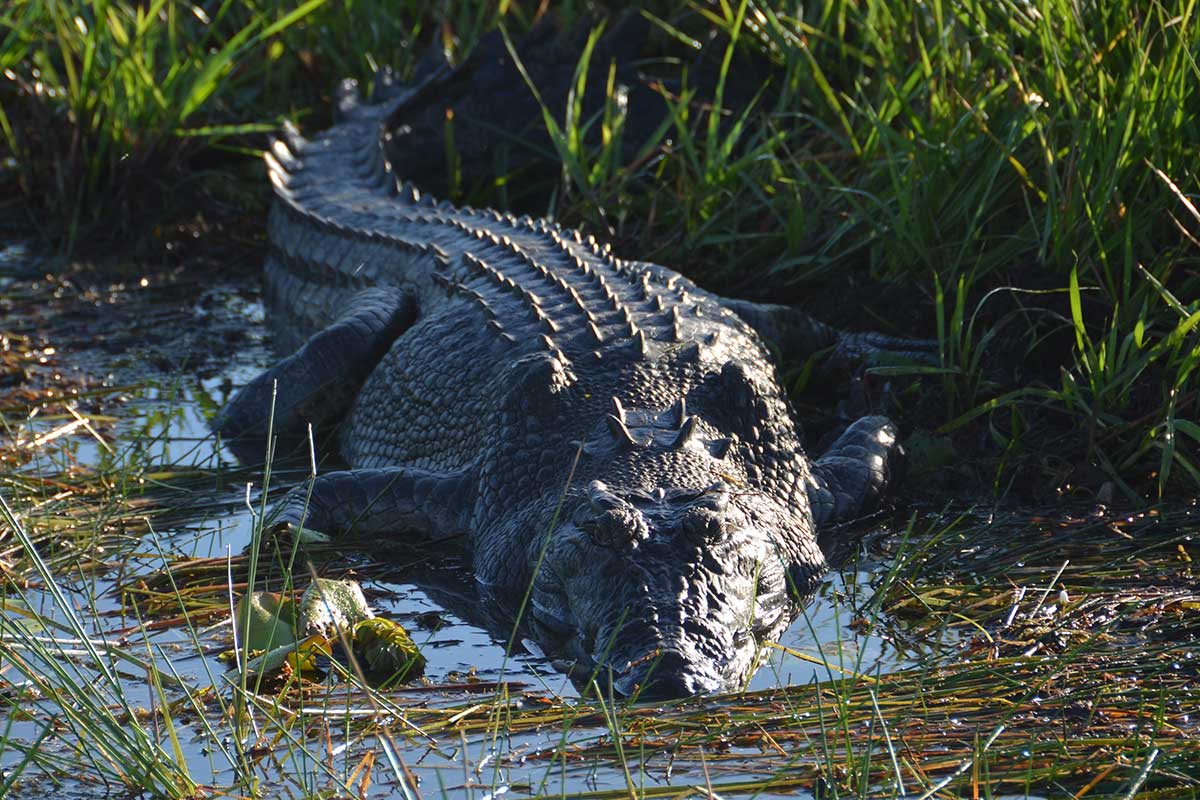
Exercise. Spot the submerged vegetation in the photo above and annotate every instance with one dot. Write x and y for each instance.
(1015, 179)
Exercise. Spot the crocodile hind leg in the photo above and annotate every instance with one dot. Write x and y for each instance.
(317, 384)
(374, 501)
(850, 479)
(798, 336)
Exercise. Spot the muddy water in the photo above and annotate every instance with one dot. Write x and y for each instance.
(167, 359)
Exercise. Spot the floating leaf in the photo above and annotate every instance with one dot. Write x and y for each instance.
(265, 621)
(386, 649)
(300, 657)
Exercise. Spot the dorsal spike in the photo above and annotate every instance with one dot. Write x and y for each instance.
(291, 135)
(596, 334)
(618, 409)
(281, 179)
(641, 343)
(679, 413)
(620, 432)
(720, 447)
(686, 433)
(690, 352)
(348, 101)
(283, 154)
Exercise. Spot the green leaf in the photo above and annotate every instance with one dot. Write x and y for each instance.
(264, 621)
(1077, 310)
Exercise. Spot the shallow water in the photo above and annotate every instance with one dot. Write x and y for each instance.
(162, 420)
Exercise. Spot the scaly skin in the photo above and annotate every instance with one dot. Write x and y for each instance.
(603, 430)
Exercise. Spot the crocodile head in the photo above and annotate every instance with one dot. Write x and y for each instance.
(669, 592)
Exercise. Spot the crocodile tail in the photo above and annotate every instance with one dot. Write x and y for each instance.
(358, 141)
(285, 163)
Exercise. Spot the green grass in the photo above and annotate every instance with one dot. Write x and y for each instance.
(1024, 172)
(112, 109)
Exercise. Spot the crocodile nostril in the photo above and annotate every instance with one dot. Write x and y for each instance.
(613, 527)
(702, 524)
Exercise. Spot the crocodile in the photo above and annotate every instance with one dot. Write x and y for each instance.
(609, 438)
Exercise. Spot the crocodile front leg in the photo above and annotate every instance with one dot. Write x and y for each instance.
(850, 479)
(798, 336)
(317, 384)
(363, 502)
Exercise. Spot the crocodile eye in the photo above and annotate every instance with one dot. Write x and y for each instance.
(601, 499)
(714, 497)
